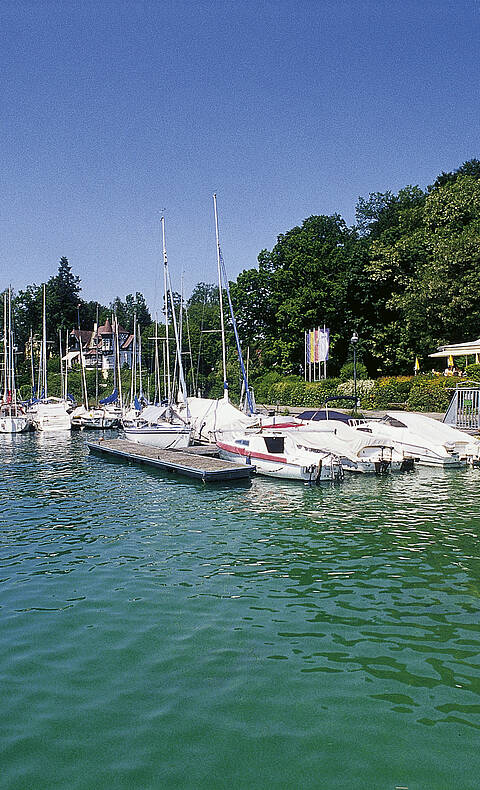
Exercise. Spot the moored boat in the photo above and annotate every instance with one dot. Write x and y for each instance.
(50, 414)
(280, 452)
(360, 451)
(429, 441)
(13, 418)
(160, 427)
(426, 441)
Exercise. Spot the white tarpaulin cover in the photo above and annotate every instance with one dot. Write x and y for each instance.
(209, 416)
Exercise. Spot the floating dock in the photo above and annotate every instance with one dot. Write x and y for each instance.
(201, 465)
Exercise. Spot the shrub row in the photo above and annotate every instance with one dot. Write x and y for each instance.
(416, 393)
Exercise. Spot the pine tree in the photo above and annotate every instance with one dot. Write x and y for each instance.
(63, 297)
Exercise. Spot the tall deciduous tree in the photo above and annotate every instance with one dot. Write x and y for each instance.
(300, 284)
(133, 305)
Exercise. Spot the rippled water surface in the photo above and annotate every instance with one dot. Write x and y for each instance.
(158, 633)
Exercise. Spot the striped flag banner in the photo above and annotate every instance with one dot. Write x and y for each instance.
(323, 344)
(312, 346)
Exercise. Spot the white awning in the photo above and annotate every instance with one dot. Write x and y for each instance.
(458, 350)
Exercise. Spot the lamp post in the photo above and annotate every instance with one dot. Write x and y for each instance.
(354, 341)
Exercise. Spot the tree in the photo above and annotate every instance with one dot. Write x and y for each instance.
(62, 298)
(27, 309)
(425, 270)
(469, 168)
(300, 284)
(88, 314)
(132, 306)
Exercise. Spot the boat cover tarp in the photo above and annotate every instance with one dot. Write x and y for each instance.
(209, 417)
(339, 438)
(111, 398)
(433, 431)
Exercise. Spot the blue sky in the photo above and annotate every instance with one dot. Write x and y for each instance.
(114, 111)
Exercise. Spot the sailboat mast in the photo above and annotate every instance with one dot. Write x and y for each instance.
(5, 347)
(220, 296)
(62, 380)
(13, 391)
(32, 366)
(96, 362)
(66, 364)
(9, 346)
(156, 397)
(165, 297)
(140, 382)
(44, 345)
(117, 361)
(82, 363)
(175, 327)
(133, 374)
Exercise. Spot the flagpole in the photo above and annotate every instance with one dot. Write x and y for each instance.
(305, 351)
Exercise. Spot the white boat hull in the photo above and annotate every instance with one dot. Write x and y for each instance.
(169, 437)
(95, 420)
(51, 417)
(324, 470)
(19, 424)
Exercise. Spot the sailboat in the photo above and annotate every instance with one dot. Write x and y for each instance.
(100, 417)
(13, 418)
(48, 414)
(210, 416)
(162, 426)
(113, 403)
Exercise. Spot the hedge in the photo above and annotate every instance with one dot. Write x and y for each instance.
(415, 393)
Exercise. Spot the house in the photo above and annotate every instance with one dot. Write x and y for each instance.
(98, 345)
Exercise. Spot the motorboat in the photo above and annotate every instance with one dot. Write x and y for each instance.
(158, 426)
(96, 418)
(429, 441)
(359, 451)
(422, 439)
(280, 452)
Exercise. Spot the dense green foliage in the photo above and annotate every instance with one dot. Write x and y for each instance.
(405, 278)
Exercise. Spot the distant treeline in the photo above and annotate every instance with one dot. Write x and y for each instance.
(405, 277)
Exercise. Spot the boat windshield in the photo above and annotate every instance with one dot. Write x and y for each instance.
(324, 414)
(275, 444)
(392, 421)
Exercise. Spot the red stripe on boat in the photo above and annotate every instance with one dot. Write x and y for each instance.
(237, 450)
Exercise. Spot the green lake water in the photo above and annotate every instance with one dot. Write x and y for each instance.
(159, 633)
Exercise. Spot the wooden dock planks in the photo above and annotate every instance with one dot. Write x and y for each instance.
(201, 466)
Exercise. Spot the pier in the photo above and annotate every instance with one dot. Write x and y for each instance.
(200, 463)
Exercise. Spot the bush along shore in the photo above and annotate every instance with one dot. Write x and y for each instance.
(427, 393)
